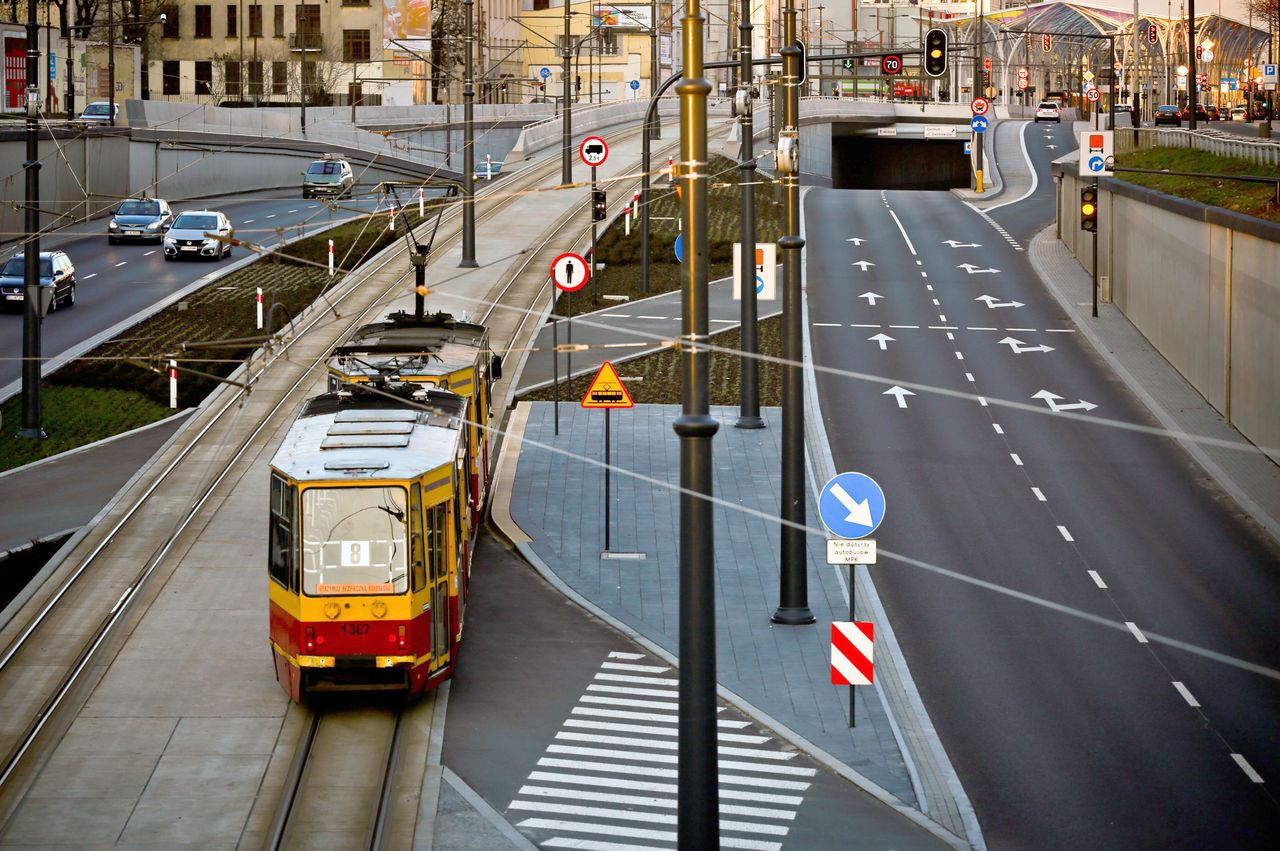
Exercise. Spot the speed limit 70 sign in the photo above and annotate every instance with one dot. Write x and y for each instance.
(891, 64)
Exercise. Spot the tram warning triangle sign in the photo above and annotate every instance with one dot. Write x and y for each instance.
(607, 390)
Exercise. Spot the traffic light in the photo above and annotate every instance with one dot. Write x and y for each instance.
(935, 53)
(598, 206)
(1089, 209)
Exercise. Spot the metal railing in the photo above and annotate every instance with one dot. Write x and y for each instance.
(1257, 151)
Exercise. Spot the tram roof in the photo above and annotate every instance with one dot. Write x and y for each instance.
(372, 437)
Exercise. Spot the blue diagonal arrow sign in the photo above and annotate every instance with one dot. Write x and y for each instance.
(851, 505)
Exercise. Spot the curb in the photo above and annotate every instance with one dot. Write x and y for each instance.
(86, 447)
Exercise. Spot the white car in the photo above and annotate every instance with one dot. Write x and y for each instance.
(99, 112)
(1048, 111)
(187, 237)
(1239, 113)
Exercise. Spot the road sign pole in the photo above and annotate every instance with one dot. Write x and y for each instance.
(595, 287)
(698, 796)
(853, 712)
(1096, 232)
(555, 359)
(31, 406)
(606, 480)
(468, 146)
(979, 36)
(568, 327)
(793, 580)
(749, 381)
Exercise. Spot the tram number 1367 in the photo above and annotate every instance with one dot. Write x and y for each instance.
(355, 629)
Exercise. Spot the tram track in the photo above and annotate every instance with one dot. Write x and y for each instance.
(69, 643)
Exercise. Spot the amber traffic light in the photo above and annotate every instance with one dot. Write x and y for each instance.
(1089, 209)
(935, 53)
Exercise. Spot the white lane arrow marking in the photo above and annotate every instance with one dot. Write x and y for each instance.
(859, 512)
(1019, 347)
(871, 298)
(1052, 147)
(863, 264)
(957, 244)
(1051, 399)
(993, 302)
(855, 240)
(974, 270)
(900, 393)
(883, 340)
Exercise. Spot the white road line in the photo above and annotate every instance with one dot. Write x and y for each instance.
(1065, 534)
(642, 801)
(924, 274)
(293, 211)
(1018, 461)
(629, 815)
(313, 207)
(944, 327)
(1137, 633)
(638, 692)
(1097, 580)
(148, 253)
(612, 830)
(652, 317)
(628, 742)
(828, 325)
(249, 221)
(904, 326)
(617, 316)
(996, 426)
(670, 773)
(1244, 766)
(670, 759)
(638, 704)
(904, 233)
(969, 377)
(724, 321)
(665, 788)
(90, 275)
(982, 400)
(592, 845)
(978, 328)
(929, 287)
(959, 355)
(649, 716)
(272, 216)
(122, 263)
(1026, 330)
(941, 318)
(1186, 694)
(951, 336)
(936, 302)
(1039, 495)
(1061, 330)
(627, 678)
(919, 262)
(619, 654)
(856, 325)
(658, 731)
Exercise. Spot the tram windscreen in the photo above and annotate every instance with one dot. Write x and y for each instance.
(354, 541)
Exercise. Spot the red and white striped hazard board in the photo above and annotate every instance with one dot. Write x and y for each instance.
(851, 653)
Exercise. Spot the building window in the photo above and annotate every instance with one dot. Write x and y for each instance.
(355, 2)
(171, 20)
(204, 77)
(204, 22)
(539, 5)
(255, 21)
(355, 45)
(279, 78)
(231, 21)
(606, 43)
(278, 22)
(231, 76)
(171, 84)
(255, 78)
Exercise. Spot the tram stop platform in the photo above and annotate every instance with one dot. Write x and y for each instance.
(549, 502)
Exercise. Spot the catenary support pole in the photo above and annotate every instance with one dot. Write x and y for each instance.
(749, 391)
(566, 127)
(698, 797)
(31, 410)
(1191, 65)
(1097, 232)
(793, 603)
(606, 480)
(979, 38)
(468, 145)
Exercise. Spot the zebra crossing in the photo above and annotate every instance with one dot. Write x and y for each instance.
(608, 780)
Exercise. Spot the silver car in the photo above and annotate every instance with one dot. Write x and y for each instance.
(99, 112)
(187, 236)
(328, 177)
(139, 218)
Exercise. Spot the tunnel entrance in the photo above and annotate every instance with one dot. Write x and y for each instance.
(871, 162)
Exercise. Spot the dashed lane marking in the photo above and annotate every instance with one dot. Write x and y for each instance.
(1186, 695)
(1097, 580)
(122, 263)
(1039, 494)
(997, 427)
(1247, 768)
(1066, 535)
(1016, 460)
(249, 221)
(148, 253)
(1137, 633)
(90, 275)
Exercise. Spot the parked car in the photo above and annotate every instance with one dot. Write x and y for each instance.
(1201, 113)
(1168, 114)
(139, 218)
(329, 176)
(1213, 113)
(186, 236)
(56, 271)
(99, 112)
(1239, 113)
(1048, 111)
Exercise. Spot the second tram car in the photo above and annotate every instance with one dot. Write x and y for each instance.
(370, 539)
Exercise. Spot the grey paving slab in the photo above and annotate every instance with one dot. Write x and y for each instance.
(783, 671)
(195, 821)
(68, 821)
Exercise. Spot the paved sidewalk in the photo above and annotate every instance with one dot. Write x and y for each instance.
(550, 504)
(1244, 472)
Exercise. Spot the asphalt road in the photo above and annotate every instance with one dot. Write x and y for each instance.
(1065, 733)
(116, 281)
(521, 734)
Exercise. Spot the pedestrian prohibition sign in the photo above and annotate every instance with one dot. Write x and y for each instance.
(570, 272)
(607, 390)
(851, 653)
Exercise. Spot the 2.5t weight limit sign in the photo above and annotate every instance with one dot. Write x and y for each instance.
(593, 150)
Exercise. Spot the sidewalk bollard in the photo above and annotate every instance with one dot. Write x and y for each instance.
(626, 227)
(173, 384)
(330, 260)
(422, 210)
(258, 299)
(391, 225)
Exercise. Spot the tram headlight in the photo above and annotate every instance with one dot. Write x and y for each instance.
(379, 609)
(332, 610)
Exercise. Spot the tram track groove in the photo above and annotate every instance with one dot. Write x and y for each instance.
(120, 594)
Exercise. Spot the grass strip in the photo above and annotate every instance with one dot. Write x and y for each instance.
(1252, 199)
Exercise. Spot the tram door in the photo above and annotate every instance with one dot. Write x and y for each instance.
(438, 583)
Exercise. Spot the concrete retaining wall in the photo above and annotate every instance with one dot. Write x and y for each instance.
(1201, 283)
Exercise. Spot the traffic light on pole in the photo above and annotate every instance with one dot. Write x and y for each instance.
(1089, 209)
(935, 53)
(599, 211)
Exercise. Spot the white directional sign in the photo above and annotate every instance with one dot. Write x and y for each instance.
(1018, 347)
(955, 243)
(851, 552)
(883, 339)
(993, 302)
(1051, 399)
(974, 270)
(900, 393)
(766, 271)
(593, 150)
(1097, 153)
(871, 298)
(570, 272)
(862, 264)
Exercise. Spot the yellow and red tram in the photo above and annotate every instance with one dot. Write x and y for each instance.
(370, 539)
